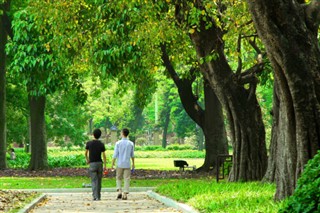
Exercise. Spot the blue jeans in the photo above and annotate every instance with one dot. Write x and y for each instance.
(95, 171)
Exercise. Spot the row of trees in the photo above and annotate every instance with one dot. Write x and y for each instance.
(218, 41)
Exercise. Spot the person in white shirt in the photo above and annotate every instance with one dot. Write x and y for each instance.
(123, 151)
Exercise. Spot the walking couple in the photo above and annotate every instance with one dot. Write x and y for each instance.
(123, 151)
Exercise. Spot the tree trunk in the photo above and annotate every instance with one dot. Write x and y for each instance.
(39, 158)
(214, 129)
(209, 119)
(239, 103)
(3, 144)
(200, 138)
(165, 128)
(271, 170)
(289, 31)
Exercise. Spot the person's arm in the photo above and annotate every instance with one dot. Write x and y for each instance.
(115, 155)
(132, 159)
(104, 160)
(87, 157)
(113, 161)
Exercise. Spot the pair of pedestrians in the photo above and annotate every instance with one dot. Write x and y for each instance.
(123, 152)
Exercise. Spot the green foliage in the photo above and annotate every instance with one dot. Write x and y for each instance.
(206, 195)
(22, 160)
(141, 141)
(32, 61)
(74, 157)
(67, 161)
(306, 197)
(66, 119)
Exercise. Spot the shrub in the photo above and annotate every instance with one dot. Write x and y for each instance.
(179, 147)
(141, 141)
(22, 160)
(306, 197)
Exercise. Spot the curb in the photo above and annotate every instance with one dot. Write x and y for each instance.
(172, 203)
(33, 203)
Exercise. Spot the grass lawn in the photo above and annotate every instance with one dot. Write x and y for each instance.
(165, 163)
(208, 196)
(69, 182)
(203, 194)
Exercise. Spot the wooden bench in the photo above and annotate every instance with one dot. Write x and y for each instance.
(221, 160)
(182, 164)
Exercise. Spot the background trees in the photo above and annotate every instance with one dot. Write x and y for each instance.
(112, 57)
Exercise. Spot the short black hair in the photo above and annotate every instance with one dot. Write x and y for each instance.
(97, 133)
(125, 132)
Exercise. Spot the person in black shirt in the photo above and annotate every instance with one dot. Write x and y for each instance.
(95, 148)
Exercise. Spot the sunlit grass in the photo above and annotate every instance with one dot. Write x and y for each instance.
(208, 196)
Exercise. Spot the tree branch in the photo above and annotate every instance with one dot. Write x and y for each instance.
(188, 99)
(312, 12)
(249, 76)
(239, 68)
(168, 65)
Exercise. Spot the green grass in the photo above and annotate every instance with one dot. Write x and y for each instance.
(165, 163)
(203, 194)
(208, 196)
(69, 182)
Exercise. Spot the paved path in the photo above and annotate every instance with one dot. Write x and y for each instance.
(82, 202)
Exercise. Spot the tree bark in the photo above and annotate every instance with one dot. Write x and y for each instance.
(289, 31)
(209, 119)
(3, 143)
(39, 158)
(214, 129)
(239, 103)
(165, 128)
(275, 132)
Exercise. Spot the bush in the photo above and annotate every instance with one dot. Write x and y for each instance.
(179, 147)
(141, 141)
(306, 197)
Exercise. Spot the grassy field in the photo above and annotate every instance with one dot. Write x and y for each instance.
(208, 196)
(203, 194)
(70, 182)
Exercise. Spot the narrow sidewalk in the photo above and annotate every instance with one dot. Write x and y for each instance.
(82, 202)
(140, 199)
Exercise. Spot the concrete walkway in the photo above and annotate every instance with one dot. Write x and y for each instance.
(140, 200)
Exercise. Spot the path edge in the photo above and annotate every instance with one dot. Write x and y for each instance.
(33, 203)
(171, 203)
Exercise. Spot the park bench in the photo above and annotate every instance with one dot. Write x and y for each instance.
(182, 164)
(224, 164)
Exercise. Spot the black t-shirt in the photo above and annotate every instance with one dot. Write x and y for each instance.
(95, 148)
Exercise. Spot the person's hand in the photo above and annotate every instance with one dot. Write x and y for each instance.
(105, 171)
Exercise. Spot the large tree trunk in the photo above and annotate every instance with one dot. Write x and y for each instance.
(3, 145)
(289, 31)
(39, 158)
(239, 103)
(209, 119)
(275, 132)
(214, 129)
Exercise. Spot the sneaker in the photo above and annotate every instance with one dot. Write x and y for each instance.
(119, 196)
(124, 196)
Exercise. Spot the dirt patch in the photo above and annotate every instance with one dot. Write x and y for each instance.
(10, 200)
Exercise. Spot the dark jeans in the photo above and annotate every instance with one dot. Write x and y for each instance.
(95, 171)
